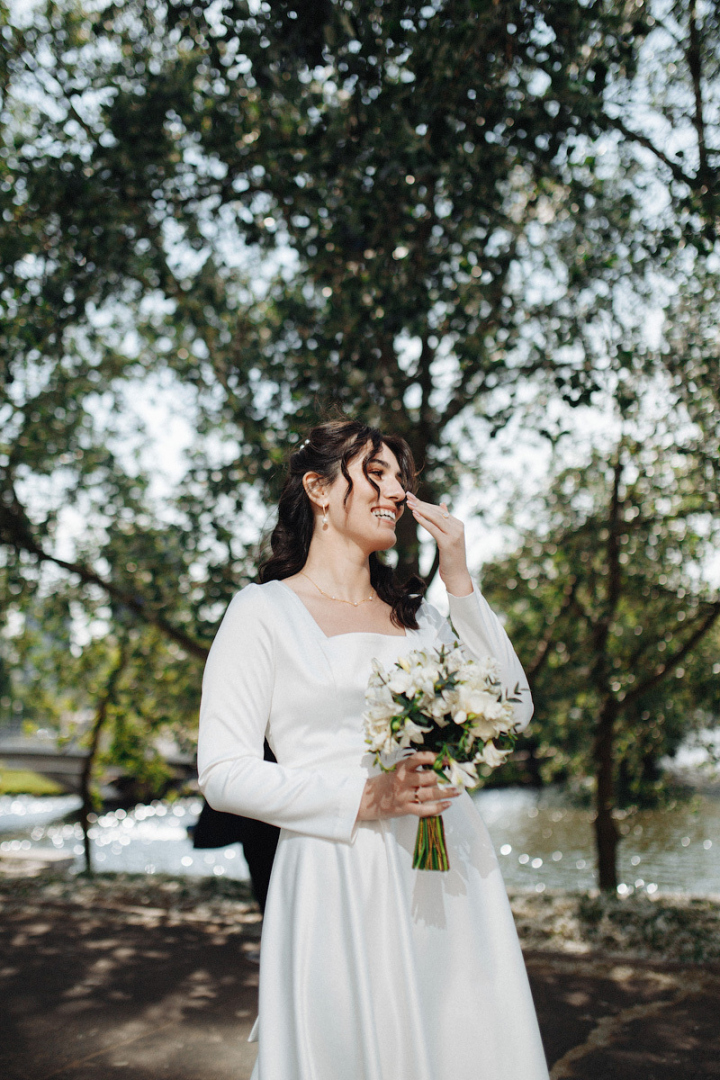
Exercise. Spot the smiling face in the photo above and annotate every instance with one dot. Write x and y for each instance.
(370, 512)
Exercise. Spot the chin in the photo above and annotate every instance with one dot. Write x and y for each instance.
(384, 543)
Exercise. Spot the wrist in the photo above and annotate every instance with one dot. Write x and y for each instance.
(370, 803)
(458, 584)
(362, 814)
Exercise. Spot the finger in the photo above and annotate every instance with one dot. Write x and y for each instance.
(426, 778)
(420, 758)
(431, 514)
(429, 809)
(442, 793)
(406, 772)
(431, 793)
(432, 523)
(435, 513)
(435, 531)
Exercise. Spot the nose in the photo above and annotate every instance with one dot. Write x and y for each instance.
(394, 490)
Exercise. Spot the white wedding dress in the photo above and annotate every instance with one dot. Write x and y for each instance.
(369, 970)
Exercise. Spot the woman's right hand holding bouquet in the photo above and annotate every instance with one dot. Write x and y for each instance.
(411, 788)
(440, 711)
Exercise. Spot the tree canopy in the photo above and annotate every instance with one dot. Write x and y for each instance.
(616, 620)
(439, 217)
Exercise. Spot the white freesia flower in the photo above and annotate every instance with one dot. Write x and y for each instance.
(442, 685)
(485, 729)
(450, 695)
(379, 734)
(424, 677)
(492, 756)
(423, 686)
(455, 659)
(401, 682)
(461, 773)
(476, 701)
(437, 708)
(380, 701)
(413, 675)
(508, 716)
(412, 733)
(482, 671)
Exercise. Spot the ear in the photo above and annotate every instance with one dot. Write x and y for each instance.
(314, 488)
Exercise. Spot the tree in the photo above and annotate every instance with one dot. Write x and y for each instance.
(407, 176)
(614, 616)
(432, 190)
(111, 691)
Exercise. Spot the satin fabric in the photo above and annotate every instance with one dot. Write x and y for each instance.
(369, 969)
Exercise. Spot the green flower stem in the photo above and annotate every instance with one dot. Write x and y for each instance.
(430, 851)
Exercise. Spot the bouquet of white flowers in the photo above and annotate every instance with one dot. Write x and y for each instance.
(443, 701)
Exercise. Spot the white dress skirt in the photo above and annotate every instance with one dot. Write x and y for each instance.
(369, 970)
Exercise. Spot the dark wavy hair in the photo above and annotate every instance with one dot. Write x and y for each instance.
(327, 451)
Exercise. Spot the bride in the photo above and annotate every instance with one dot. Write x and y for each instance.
(370, 970)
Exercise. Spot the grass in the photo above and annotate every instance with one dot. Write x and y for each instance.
(206, 897)
(25, 782)
(666, 927)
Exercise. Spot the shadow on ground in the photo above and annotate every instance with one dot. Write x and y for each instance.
(136, 994)
(144, 992)
(625, 1019)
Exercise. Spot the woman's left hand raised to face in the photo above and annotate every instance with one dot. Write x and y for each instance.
(449, 535)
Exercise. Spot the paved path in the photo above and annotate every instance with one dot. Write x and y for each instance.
(140, 994)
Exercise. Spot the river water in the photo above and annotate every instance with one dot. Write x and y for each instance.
(541, 840)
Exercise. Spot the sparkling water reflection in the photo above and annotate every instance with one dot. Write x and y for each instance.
(150, 839)
(541, 840)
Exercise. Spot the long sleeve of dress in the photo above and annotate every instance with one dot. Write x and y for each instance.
(236, 701)
(482, 634)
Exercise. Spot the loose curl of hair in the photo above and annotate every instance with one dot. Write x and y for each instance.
(327, 451)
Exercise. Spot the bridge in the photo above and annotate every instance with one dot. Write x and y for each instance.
(65, 767)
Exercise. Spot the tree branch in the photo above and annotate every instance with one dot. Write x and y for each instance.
(643, 140)
(548, 639)
(693, 57)
(601, 628)
(136, 603)
(662, 671)
(15, 531)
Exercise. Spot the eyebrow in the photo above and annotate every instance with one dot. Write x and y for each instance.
(385, 465)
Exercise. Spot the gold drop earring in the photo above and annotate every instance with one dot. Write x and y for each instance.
(324, 517)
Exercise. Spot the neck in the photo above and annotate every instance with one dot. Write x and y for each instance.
(339, 568)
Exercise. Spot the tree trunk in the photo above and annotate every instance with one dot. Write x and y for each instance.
(606, 834)
(86, 777)
(86, 794)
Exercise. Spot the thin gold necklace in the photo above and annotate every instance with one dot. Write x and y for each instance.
(339, 599)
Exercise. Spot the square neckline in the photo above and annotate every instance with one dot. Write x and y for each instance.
(349, 633)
